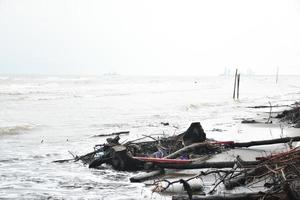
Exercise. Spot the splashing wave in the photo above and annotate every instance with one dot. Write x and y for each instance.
(11, 130)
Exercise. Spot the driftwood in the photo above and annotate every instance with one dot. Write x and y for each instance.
(266, 142)
(112, 134)
(146, 176)
(249, 121)
(205, 147)
(124, 159)
(118, 157)
(63, 160)
(204, 165)
(289, 191)
(236, 196)
(278, 172)
(274, 106)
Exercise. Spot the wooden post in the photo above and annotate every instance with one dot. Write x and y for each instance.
(238, 86)
(234, 84)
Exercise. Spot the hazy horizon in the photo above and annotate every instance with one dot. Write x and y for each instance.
(168, 38)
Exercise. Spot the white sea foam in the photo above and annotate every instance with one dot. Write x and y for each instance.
(10, 130)
(109, 104)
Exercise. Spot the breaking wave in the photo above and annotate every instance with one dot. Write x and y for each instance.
(11, 130)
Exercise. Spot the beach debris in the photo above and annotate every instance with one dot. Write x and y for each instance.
(249, 121)
(193, 134)
(263, 106)
(277, 176)
(146, 176)
(129, 156)
(112, 134)
(217, 130)
(165, 123)
(291, 116)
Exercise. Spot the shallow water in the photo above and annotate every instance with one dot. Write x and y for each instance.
(42, 118)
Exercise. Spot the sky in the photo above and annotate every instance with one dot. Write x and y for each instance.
(157, 37)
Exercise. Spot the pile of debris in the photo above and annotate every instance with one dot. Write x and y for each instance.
(135, 155)
(292, 116)
(277, 175)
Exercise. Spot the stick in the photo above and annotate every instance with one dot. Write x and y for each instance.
(194, 146)
(277, 106)
(266, 142)
(241, 180)
(237, 196)
(148, 136)
(191, 148)
(234, 84)
(238, 86)
(112, 134)
(270, 113)
(203, 165)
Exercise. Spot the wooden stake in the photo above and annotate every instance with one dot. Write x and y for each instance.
(238, 86)
(234, 84)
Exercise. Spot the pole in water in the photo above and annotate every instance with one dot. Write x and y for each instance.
(238, 86)
(277, 75)
(234, 84)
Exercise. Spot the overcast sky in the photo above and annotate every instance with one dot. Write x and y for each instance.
(166, 37)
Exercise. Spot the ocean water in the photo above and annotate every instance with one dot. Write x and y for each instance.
(44, 117)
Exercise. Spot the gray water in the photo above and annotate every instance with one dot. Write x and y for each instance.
(44, 117)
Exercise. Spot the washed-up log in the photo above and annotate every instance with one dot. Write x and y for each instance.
(237, 196)
(122, 161)
(204, 165)
(112, 134)
(266, 142)
(290, 191)
(164, 160)
(275, 106)
(197, 148)
(277, 155)
(206, 147)
(63, 160)
(117, 156)
(146, 176)
(249, 121)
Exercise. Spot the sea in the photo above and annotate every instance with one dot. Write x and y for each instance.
(47, 118)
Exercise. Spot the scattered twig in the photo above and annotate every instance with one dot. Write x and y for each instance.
(270, 114)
